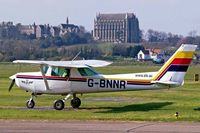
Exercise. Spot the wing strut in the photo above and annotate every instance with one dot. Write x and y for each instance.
(44, 78)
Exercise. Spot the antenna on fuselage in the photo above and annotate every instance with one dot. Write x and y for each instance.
(76, 56)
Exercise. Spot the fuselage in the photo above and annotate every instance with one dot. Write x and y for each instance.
(79, 83)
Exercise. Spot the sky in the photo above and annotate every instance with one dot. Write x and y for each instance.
(175, 16)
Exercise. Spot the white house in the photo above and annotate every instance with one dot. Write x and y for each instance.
(143, 55)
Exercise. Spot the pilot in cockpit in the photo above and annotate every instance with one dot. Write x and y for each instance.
(66, 72)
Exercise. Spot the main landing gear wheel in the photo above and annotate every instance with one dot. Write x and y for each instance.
(75, 102)
(59, 105)
(30, 104)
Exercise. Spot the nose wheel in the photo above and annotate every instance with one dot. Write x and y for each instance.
(30, 104)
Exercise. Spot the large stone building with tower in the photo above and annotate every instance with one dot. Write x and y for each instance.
(123, 27)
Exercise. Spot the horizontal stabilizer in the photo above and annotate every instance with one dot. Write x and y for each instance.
(166, 83)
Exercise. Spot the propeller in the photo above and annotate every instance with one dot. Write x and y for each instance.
(12, 83)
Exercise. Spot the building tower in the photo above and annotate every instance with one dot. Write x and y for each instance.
(67, 21)
(122, 27)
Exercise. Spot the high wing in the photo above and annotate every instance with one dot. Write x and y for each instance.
(69, 64)
(75, 64)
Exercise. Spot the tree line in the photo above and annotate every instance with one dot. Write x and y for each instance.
(17, 49)
(66, 47)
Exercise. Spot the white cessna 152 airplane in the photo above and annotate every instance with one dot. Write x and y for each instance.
(69, 78)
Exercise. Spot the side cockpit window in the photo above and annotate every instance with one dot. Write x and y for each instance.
(86, 72)
(61, 72)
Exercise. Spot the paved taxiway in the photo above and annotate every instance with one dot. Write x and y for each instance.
(19, 126)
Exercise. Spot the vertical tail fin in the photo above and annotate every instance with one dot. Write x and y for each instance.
(175, 68)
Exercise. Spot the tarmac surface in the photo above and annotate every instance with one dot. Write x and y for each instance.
(26, 126)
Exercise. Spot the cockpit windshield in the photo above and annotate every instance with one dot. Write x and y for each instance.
(87, 72)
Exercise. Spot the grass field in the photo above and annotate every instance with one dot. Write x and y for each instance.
(156, 105)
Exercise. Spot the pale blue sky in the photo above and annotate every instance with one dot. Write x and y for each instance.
(176, 16)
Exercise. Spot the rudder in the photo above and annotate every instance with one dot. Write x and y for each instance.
(175, 68)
